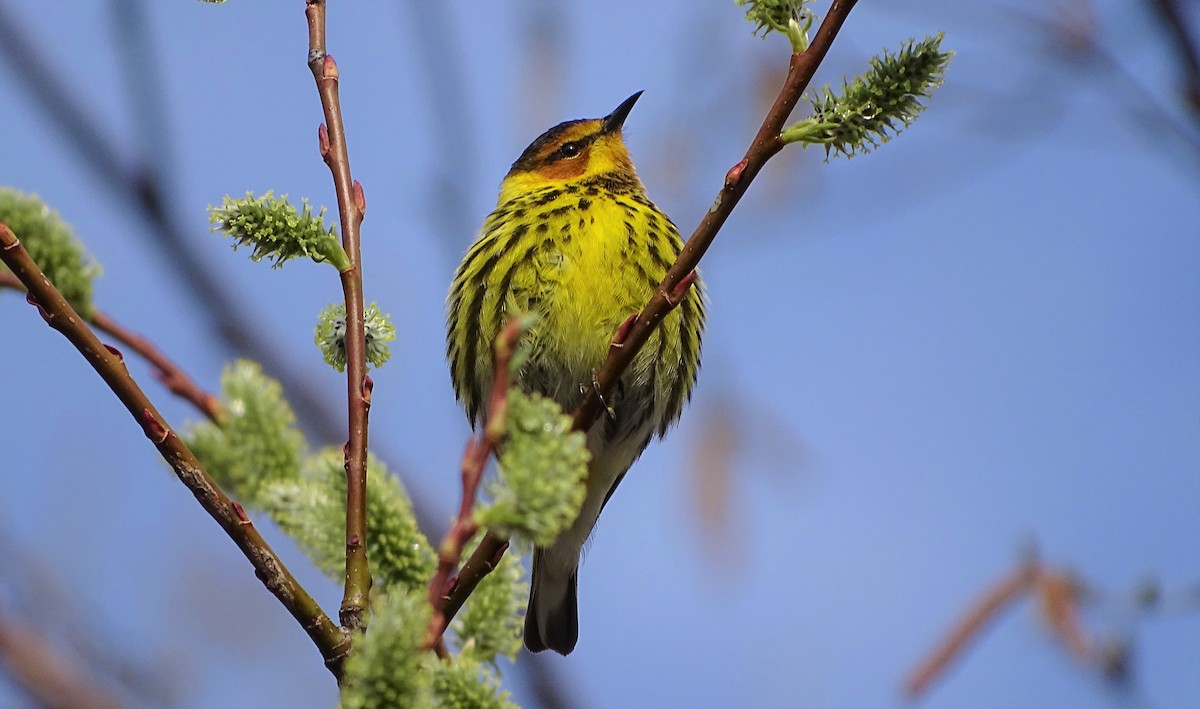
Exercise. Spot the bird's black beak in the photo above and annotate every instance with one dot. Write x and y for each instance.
(614, 120)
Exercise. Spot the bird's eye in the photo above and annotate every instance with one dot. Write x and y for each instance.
(569, 149)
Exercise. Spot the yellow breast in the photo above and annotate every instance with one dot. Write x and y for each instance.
(595, 287)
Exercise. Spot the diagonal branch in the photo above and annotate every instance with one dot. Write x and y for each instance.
(332, 642)
(633, 336)
(351, 207)
(172, 377)
(1001, 595)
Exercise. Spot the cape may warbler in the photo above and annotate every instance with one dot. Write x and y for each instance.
(574, 240)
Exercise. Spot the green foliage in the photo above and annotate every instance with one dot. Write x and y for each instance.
(888, 97)
(331, 335)
(540, 486)
(387, 668)
(258, 455)
(52, 246)
(400, 554)
(274, 228)
(465, 683)
(312, 510)
(489, 624)
(256, 441)
(788, 17)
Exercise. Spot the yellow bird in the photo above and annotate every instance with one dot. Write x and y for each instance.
(575, 240)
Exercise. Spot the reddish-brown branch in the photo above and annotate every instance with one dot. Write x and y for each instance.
(475, 458)
(997, 598)
(633, 336)
(351, 208)
(332, 642)
(172, 377)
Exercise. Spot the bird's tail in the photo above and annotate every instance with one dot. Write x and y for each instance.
(552, 618)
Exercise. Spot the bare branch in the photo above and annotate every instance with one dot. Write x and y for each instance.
(997, 598)
(351, 207)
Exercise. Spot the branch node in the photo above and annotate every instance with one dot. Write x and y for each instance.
(495, 560)
(368, 386)
(329, 68)
(623, 331)
(734, 176)
(32, 300)
(680, 290)
(316, 54)
(117, 353)
(360, 200)
(323, 142)
(243, 518)
(154, 428)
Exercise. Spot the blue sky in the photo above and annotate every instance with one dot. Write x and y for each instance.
(982, 336)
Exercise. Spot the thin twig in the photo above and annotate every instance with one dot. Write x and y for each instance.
(633, 336)
(998, 597)
(351, 207)
(172, 377)
(332, 642)
(474, 459)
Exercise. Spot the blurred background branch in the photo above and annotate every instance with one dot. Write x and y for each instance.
(1062, 597)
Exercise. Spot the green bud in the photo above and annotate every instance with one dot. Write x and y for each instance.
(886, 98)
(788, 17)
(465, 683)
(273, 228)
(312, 510)
(256, 441)
(388, 668)
(540, 485)
(331, 335)
(52, 246)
